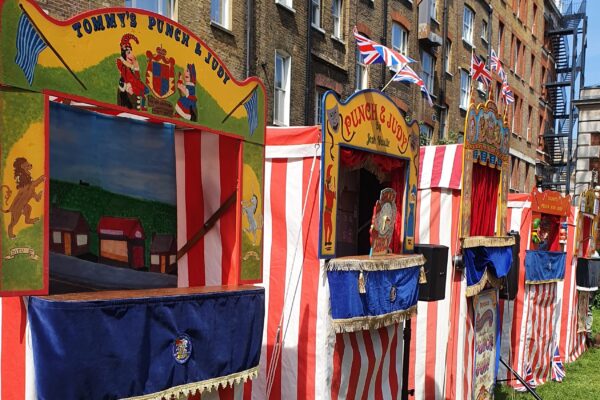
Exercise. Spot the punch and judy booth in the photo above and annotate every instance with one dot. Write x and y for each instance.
(336, 295)
(120, 126)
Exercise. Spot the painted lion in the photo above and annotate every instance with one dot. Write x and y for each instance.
(25, 192)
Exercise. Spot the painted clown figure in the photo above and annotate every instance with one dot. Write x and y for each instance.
(186, 105)
(131, 90)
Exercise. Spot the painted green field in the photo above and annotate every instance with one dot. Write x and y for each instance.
(94, 202)
(581, 382)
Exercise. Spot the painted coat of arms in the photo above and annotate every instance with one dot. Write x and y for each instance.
(160, 73)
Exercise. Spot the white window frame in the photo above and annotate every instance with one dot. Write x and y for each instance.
(284, 118)
(468, 20)
(465, 86)
(399, 40)
(319, 92)
(337, 13)
(361, 74)
(484, 30)
(224, 13)
(428, 130)
(433, 10)
(427, 60)
(164, 7)
(517, 54)
(315, 14)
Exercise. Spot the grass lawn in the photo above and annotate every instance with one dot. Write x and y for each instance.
(581, 381)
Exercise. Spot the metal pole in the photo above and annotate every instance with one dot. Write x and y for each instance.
(520, 379)
(406, 362)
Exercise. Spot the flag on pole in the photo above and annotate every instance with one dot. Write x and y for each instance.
(558, 369)
(496, 65)
(251, 106)
(29, 46)
(507, 94)
(375, 53)
(407, 74)
(479, 71)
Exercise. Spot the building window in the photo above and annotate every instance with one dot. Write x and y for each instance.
(465, 84)
(399, 39)
(318, 109)
(484, 30)
(154, 259)
(517, 58)
(467, 33)
(281, 107)
(162, 7)
(219, 13)
(500, 39)
(433, 9)
(57, 237)
(316, 13)
(337, 12)
(426, 132)
(529, 123)
(362, 74)
(428, 63)
(448, 60)
(532, 75)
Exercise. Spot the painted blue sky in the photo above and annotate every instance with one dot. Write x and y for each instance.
(120, 155)
(592, 56)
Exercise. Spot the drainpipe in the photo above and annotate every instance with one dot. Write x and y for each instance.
(249, 34)
(308, 80)
(384, 39)
(442, 97)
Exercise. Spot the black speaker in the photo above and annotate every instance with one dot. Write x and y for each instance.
(435, 271)
(588, 272)
(510, 284)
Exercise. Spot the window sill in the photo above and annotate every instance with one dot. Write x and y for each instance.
(484, 40)
(338, 40)
(278, 123)
(220, 27)
(318, 29)
(286, 7)
(450, 74)
(468, 44)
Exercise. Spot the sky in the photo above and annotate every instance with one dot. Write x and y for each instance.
(122, 156)
(592, 55)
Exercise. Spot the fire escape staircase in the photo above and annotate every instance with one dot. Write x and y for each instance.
(560, 91)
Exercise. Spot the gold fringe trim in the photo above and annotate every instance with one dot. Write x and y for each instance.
(376, 263)
(206, 385)
(487, 241)
(546, 281)
(422, 275)
(479, 286)
(372, 322)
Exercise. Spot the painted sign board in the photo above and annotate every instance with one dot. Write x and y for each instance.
(484, 360)
(368, 121)
(486, 142)
(127, 61)
(550, 202)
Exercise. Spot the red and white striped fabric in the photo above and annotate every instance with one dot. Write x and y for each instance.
(542, 316)
(204, 165)
(441, 354)
(312, 362)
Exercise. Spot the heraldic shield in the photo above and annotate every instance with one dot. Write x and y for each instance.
(160, 73)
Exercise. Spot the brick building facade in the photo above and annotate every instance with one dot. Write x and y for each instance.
(300, 49)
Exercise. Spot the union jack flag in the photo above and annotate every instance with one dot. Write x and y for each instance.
(496, 65)
(407, 74)
(479, 71)
(375, 53)
(529, 376)
(507, 94)
(558, 369)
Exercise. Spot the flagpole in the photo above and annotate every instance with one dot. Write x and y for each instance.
(239, 104)
(52, 47)
(390, 81)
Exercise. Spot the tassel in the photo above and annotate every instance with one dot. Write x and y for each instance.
(362, 285)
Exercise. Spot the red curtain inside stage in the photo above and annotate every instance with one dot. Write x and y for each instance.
(484, 200)
(389, 170)
(551, 224)
(586, 235)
